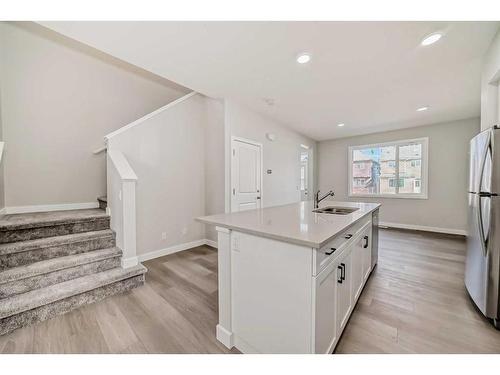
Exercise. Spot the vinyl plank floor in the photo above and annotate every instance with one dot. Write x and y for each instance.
(414, 302)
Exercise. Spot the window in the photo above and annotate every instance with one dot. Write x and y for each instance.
(394, 169)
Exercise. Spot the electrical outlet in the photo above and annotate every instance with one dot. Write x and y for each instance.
(163, 235)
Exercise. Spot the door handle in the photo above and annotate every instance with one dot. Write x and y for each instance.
(348, 236)
(258, 197)
(332, 249)
(366, 242)
(342, 274)
(482, 238)
(339, 280)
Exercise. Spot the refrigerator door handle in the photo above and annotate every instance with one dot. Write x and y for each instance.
(482, 238)
(480, 211)
(483, 161)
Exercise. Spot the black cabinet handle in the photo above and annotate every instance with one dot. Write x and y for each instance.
(332, 249)
(339, 280)
(342, 274)
(366, 242)
(348, 236)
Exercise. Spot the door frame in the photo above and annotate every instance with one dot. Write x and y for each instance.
(253, 143)
(310, 171)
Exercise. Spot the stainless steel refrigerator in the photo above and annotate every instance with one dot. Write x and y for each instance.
(482, 266)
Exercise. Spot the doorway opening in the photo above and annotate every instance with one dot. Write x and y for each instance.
(305, 172)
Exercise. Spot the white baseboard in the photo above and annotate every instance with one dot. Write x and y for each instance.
(50, 207)
(424, 228)
(174, 249)
(224, 336)
(3, 211)
(211, 243)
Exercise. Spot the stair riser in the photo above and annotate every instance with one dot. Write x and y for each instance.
(42, 313)
(41, 281)
(36, 255)
(16, 235)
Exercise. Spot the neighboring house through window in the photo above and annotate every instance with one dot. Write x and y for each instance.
(393, 169)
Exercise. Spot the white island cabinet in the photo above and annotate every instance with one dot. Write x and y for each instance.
(289, 278)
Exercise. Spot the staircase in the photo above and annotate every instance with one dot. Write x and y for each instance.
(103, 202)
(54, 262)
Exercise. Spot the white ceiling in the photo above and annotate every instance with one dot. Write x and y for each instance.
(372, 76)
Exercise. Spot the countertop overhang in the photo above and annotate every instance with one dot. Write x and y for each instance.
(294, 223)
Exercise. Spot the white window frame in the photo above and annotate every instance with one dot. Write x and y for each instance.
(424, 180)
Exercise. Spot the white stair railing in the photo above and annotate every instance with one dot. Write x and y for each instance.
(99, 150)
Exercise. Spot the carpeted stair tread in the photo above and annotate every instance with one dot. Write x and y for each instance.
(40, 243)
(44, 219)
(55, 264)
(44, 296)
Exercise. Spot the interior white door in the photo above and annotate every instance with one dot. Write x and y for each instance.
(246, 175)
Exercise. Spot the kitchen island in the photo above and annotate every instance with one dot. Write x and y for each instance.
(290, 277)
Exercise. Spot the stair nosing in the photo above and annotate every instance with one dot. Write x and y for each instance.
(87, 258)
(75, 289)
(45, 242)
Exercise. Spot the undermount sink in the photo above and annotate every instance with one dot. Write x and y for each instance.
(335, 210)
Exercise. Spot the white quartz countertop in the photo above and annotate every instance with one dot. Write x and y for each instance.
(295, 223)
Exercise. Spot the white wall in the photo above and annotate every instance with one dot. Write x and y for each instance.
(282, 156)
(490, 106)
(176, 183)
(59, 98)
(446, 206)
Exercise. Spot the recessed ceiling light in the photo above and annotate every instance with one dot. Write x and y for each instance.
(431, 39)
(341, 124)
(303, 58)
(421, 109)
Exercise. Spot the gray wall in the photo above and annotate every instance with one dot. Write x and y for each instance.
(448, 170)
(214, 161)
(59, 98)
(490, 107)
(2, 187)
(282, 156)
(167, 152)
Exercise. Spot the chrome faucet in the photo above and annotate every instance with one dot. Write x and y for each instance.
(317, 199)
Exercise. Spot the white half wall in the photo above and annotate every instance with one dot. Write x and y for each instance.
(168, 154)
(281, 156)
(446, 206)
(58, 100)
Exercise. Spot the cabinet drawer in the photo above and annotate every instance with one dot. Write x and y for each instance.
(323, 256)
